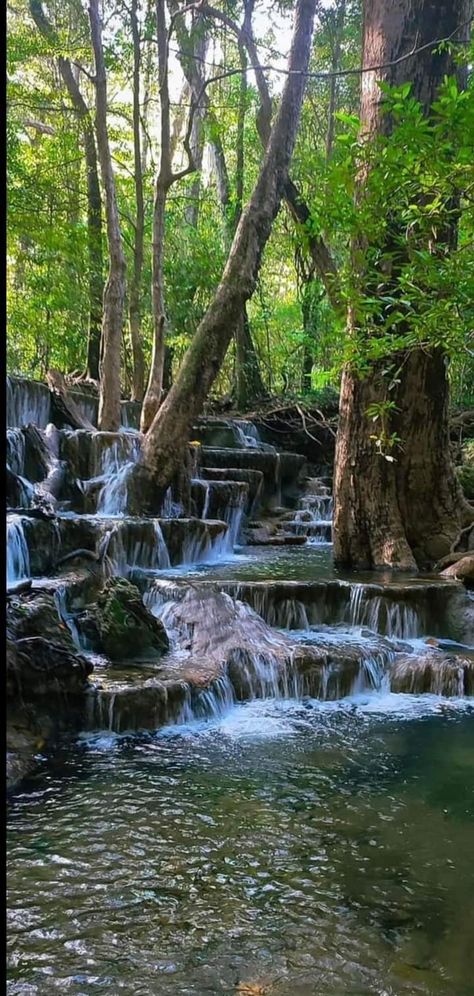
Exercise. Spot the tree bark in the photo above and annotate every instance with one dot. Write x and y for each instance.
(138, 384)
(406, 513)
(94, 200)
(112, 322)
(166, 441)
(164, 180)
(338, 17)
(249, 387)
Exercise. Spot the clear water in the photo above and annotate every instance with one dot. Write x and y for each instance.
(291, 563)
(306, 850)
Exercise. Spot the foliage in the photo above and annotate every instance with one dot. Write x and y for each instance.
(419, 185)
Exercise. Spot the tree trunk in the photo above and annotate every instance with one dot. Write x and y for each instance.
(138, 386)
(154, 389)
(339, 16)
(94, 200)
(406, 513)
(112, 322)
(166, 441)
(249, 387)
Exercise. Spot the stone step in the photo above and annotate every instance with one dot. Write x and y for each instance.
(29, 401)
(131, 543)
(252, 478)
(403, 610)
(215, 499)
(281, 471)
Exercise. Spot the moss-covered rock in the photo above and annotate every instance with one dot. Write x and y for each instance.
(120, 626)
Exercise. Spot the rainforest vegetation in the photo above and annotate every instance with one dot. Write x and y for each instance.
(239, 203)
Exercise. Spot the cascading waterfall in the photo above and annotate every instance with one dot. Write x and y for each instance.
(116, 464)
(16, 451)
(60, 598)
(130, 545)
(382, 615)
(18, 557)
(27, 401)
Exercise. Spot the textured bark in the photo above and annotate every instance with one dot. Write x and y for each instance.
(112, 322)
(338, 16)
(138, 380)
(408, 512)
(65, 410)
(249, 387)
(166, 441)
(94, 200)
(164, 180)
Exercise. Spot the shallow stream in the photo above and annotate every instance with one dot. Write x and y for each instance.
(306, 849)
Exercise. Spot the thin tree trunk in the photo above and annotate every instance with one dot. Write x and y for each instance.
(138, 386)
(404, 513)
(165, 178)
(94, 200)
(336, 54)
(248, 382)
(248, 386)
(112, 323)
(165, 444)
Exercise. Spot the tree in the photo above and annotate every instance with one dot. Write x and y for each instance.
(165, 443)
(164, 180)
(94, 200)
(397, 501)
(138, 384)
(110, 392)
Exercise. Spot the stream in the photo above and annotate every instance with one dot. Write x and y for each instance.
(238, 815)
(315, 850)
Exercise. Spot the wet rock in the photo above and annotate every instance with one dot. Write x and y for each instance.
(434, 672)
(120, 626)
(315, 486)
(462, 570)
(260, 537)
(145, 705)
(253, 478)
(36, 615)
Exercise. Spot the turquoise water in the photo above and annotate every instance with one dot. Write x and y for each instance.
(304, 849)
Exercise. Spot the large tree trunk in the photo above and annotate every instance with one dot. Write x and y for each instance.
(94, 201)
(138, 385)
(166, 441)
(112, 322)
(407, 512)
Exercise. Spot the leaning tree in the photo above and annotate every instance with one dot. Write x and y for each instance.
(397, 500)
(165, 443)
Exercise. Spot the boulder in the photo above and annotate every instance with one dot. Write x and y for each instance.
(461, 570)
(120, 626)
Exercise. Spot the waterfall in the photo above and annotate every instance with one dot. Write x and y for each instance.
(113, 496)
(16, 451)
(170, 509)
(115, 465)
(60, 598)
(207, 488)
(18, 557)
(378, 613)
(132, 544)
(27, 401)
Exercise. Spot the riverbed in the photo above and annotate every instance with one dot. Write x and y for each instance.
(302, 848)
